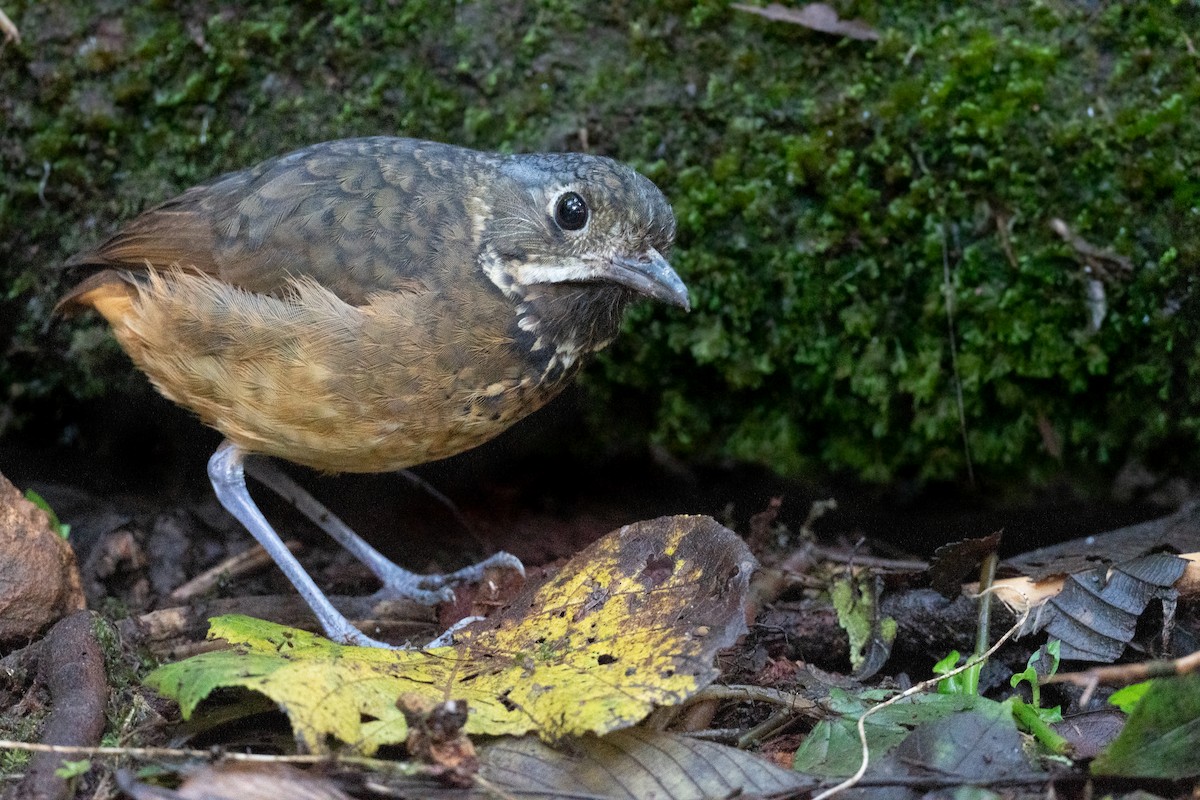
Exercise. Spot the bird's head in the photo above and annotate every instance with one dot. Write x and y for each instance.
(579, 222)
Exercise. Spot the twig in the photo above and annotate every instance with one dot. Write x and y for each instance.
(931, 782)
(1125, 674)
(216, 754)
(43, 183)
(947, 290)
(754, 694)
(721, 735)
(240, 564)
(861, 561)
(816, 510)
(987, 574)
(1002, 232)
(767, 727)
(1102, 261)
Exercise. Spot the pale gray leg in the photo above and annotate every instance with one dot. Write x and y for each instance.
(229, 482)
(397, 581)
(447, 636)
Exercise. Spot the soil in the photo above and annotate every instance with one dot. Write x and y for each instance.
(535, 491)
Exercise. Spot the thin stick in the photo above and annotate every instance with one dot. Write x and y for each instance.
(1125, 674)
(987, 574)
(244, 562)
(962, 414)
(215, 754)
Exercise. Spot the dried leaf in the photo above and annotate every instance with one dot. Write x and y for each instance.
(436, 738)
(632, 622)
(814, 16)
(953, 562)
(240, 781)
(1179, 532)
(1091, 731)
(634, 764)
(1096, 613)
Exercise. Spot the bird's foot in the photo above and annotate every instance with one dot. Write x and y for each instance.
(356, 638)
(430, 590)
(447, 637)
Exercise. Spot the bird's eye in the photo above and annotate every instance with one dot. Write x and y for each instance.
(571, 213)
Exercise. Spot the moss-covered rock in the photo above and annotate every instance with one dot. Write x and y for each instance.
(865, 226)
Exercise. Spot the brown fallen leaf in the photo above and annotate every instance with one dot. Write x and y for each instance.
(238, 781)
(634, 763)
(814, 16)
(1093, 591)
(952, 562)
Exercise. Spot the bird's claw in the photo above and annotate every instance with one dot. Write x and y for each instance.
(475, 572)
(432, 590)
(447, 636)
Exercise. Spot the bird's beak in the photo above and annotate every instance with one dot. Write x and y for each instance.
(651, 275)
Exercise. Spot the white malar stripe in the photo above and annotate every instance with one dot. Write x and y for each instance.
(529, 274)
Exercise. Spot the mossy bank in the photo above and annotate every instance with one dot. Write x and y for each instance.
(866, 227)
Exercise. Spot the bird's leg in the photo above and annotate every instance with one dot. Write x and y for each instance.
(229, 483)
(446, 638)
(397, 581)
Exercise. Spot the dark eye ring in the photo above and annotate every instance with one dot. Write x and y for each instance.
(571, 212)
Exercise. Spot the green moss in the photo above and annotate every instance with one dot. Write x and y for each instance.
(21, 729)
(823, 188)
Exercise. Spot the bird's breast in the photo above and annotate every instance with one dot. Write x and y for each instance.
(405, 379)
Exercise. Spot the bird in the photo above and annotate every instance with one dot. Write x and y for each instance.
(373, 304)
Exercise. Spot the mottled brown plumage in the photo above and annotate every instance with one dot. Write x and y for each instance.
(370, 304)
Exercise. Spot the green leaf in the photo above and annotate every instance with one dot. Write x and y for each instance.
(832, 748)
(61, 528)
(73, 769)
(1043, 663)
(1162, 736)
(965, 683)
(948, 663)
(1127, 699)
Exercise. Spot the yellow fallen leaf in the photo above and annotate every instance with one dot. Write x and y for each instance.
(632, 622)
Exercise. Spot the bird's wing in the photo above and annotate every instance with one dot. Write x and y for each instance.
(357, 216)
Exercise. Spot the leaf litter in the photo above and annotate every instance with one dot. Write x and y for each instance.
(632, 623)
